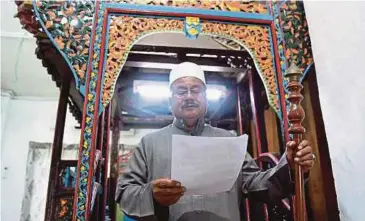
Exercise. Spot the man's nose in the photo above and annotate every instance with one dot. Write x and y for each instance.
(189, 95)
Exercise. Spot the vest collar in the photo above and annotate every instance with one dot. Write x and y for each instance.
(197, 131)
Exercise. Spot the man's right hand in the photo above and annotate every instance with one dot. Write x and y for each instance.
(166, 191)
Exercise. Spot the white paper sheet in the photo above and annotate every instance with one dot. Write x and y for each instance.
(206, 165)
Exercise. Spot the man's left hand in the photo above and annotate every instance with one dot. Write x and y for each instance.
(304, 157)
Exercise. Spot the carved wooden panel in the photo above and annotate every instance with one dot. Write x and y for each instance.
(234, 6)
(125, 31)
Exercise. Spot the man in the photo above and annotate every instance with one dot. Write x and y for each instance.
(146, 192)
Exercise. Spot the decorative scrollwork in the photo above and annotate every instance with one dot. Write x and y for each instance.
(296, 34)
(86, 147)
(64, 209)
(69, 23)
(256, 40)
(228, 43)
(192, 27)
(27, 17)
(234, 6)
(125, 31)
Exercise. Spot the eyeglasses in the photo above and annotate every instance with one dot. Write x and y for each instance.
(183, 93)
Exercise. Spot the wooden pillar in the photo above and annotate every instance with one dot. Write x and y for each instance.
(97, 209)
(253, 139)
(106, 159)
(240, 132)
(256, 125)
(295, 117)
(315, 182)
(57, 149)
(271, 128)
(254, 112)
(114, 152)
(89, 126)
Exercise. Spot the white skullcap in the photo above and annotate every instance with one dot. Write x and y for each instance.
(186, 69)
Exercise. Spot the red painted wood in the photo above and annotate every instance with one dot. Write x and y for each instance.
(97, 208)
(296, 116)
(57, 149)
(106, 160)
(254, 111)
(240, 132)
(257, 129)
(100, 66)
(84, 112)
(280, 82)
(95, 123)
(68, 163)
(281, 89)
(117, 126)
(183, 15)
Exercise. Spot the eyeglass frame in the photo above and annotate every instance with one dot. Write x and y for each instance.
(190, 91)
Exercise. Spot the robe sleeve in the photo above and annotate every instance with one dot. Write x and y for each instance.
(269, 186)
(134, 192)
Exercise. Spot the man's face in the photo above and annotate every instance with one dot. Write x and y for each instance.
(188, 100)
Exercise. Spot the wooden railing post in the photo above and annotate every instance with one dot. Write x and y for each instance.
(240, 132)
(296, 116)
(57, 149)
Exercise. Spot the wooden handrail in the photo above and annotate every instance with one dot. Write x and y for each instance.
(296, 116)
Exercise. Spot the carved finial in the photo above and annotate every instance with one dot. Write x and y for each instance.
(293, 71)
(295, 113)
(296, 116)
(28, 4)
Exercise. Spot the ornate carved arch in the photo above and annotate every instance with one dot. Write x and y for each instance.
(87, 35)
(125, 31)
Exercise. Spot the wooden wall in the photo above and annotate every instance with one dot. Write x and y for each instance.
(317, 201)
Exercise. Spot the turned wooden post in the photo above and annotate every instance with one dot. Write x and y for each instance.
(295, 117)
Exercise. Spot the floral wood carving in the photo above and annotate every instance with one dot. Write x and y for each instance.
(69, 23)
(234, 6)
(296, 34)
(125, 31)
(64, 209)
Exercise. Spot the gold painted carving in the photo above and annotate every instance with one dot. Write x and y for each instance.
(219, 5)
(125, 31)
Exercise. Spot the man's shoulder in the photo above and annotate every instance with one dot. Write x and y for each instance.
(158, 134)
(219, 132)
